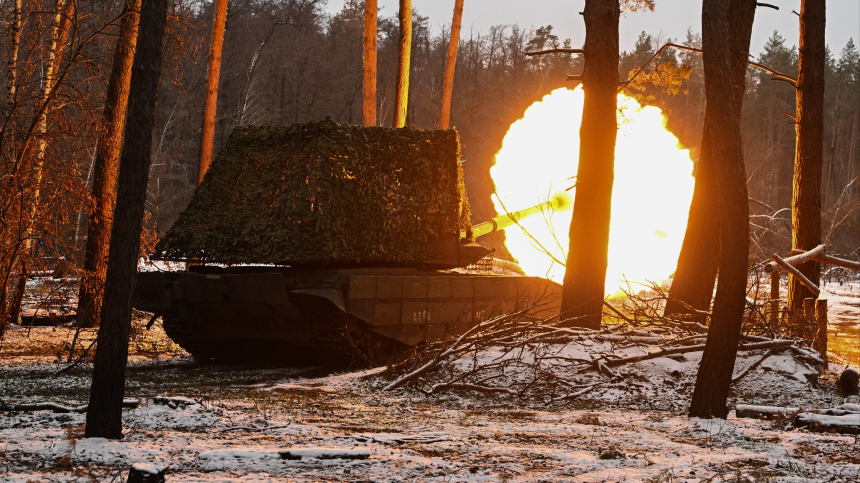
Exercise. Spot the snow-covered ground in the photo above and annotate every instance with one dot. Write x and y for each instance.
(289, 424)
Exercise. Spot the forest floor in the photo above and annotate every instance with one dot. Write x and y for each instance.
(242, 420)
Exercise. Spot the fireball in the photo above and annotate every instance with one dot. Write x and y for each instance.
(650, 198)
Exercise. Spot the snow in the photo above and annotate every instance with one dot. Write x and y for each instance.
(234, 423)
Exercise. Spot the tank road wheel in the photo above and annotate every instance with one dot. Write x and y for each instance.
(341, 339)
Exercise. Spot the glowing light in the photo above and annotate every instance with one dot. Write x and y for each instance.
(650, 199)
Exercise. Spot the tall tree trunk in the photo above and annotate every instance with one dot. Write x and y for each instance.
(368, 104)
(402, 98)
(104, 417)
(585, 275)
(207, 136)
(696, 274)
(7, 259)
(15, 46)
(61, 24)
(451, 61)
(718, 360)
(105, 169)
(809, 148)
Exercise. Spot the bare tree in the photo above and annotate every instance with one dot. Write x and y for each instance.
(402, 99)
(585, 274)
(368, 106)
(104, 418)
(207, 136)
(61, 24)
(809, 147)
(450, 63)
(718, 359)
(105, 169)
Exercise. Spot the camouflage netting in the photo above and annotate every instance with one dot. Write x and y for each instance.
(325, 192)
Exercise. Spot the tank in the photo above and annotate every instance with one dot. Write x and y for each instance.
(329, 244)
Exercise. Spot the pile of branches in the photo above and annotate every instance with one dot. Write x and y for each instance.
(523, 356)
(645, 308)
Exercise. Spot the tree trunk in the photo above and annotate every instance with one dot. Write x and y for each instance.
(104, 418)
(585, 275)
(207, 136)
(718, 359)
(693, 284)
(368, 106)
(402, 98)
(448, 82)
(809, 149)
(105, 169)
(15, 46)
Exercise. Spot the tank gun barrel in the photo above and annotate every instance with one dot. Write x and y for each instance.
(559, 202)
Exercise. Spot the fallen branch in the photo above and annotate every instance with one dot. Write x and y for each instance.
(839, 262)
(798, 258)
(763, 412)
(253, 428)
(755, 364)
(78, 361)
(820, 423)
(57, 408)
(805, 281)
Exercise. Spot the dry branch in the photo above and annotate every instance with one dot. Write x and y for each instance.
(839, 262)
(798, 258)
(58, 408)
(805, 281)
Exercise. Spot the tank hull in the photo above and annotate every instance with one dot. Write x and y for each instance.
(349, 317)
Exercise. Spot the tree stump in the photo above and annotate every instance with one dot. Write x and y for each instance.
(146, 473)
(821, 334)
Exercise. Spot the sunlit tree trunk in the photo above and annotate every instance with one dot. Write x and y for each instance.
(207, 136)
(718, 360)
(105, 169)
(585, 275)
(693, 284)
(62, 21)
(104, 417)
(368, 105)
(809, 147)
(14, 47)
(451, 61)
(402, 98)
(7, 258)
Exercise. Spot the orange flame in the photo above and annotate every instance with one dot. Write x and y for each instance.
(650, 199)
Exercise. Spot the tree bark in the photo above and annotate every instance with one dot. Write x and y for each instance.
(210, 109)
(585, 275)
(809, 148)
(368, 105)
(14, 48)
(104, 419)
(402, 98)
(718, 359)
(105, 169)
(696, 274)
(450, 64)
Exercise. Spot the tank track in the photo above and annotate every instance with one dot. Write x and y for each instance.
(337, 339)
(221, 351)
(183, 334)
(343, 340)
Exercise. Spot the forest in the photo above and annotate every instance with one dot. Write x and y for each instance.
(287, 223)
(265, 81)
